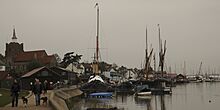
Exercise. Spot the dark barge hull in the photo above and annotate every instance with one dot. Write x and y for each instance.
(96, 86)
(156, 86)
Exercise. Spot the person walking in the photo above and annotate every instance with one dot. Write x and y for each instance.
(45, 87)
(37, 90)
(15, 89)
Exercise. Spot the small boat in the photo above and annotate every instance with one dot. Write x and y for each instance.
(142, 93)
(195, 78)
(101, 95)
(208, 80)
(143, 90)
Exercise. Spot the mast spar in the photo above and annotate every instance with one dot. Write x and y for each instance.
(162, 52)
(97, 36)
(146, 57)
(96, 61)
(146, 43)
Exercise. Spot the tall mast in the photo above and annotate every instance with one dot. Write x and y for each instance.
(162, 51)
(97, 36)
(160, 48)
(184, 68)
(96, 62)
(200, 68)
(155, 62)
(159, 37)
(146, 43)
(146, 57)
(146, 53)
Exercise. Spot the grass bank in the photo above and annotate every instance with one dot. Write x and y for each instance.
(5, 97)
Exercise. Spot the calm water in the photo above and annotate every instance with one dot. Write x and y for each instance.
(192, 96)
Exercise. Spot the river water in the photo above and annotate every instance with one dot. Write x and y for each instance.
(191, 96)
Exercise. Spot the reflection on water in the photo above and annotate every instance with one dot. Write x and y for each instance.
(192, 96)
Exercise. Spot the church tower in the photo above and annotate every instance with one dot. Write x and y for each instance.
(12, 49)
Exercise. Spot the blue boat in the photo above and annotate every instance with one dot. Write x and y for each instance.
(101, 95)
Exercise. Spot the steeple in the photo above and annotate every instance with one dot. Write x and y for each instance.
(14, 38)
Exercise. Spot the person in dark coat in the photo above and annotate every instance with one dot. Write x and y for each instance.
(15, 89)
(45, 86)
(37, 90)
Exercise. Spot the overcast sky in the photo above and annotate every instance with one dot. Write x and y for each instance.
(191, 28)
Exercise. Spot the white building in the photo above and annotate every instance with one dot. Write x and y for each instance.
(112, 75)
(77, 68)
(2, 66)
(130, 74)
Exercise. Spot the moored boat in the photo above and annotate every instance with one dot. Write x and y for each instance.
(143, 90)
(96, 84)
(101, 95)
(144, 93)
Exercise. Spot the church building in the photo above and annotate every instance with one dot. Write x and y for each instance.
(17, 59)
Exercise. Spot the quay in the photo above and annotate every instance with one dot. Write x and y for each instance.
(31, 104)
(56, 100)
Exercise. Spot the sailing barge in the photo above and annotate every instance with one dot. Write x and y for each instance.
(96, 86)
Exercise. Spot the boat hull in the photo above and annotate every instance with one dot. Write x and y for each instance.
(143, 94)
(101, 95)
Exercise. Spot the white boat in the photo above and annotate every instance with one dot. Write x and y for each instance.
(144, 93)
(94, 78)
(143, 90)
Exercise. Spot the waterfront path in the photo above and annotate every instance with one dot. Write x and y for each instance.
(30, 106)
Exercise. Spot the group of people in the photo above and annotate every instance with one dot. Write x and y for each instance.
(37, 89)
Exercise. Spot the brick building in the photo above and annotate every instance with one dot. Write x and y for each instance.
(18, 60)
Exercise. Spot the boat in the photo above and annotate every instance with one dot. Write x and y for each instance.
(181, 78)
(213, 78)
(160, 88)
(143, 90)
(127, 87)
(159, 84)
(101, 95)
(208, 80)
(95, 83)
(95, 78)
(199, 77)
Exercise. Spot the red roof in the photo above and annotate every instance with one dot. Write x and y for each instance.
(47, 59)
(39, 55)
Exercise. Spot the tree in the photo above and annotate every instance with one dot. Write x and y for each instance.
(57, 57)
(70, 58)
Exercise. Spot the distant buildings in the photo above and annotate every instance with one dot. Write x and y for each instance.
(77, 68)
(28, 65)
(130, 74)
